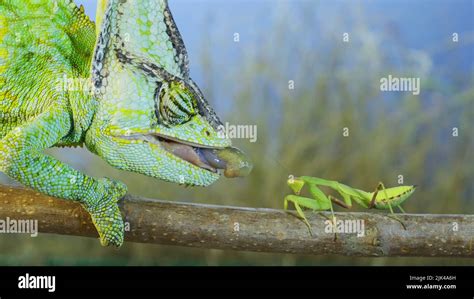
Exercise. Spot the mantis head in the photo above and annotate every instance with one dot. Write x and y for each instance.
(295, 184)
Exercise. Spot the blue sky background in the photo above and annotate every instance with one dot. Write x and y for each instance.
(423, 24)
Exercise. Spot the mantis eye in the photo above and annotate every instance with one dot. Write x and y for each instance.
(176, 105)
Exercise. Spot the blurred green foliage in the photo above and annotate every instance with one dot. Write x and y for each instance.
(300, 133)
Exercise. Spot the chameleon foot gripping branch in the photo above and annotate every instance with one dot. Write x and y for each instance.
(142, 113)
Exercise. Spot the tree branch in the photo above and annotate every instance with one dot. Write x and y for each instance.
(264, 230)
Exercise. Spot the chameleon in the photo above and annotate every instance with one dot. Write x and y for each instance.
(382, 198)
(137, 106)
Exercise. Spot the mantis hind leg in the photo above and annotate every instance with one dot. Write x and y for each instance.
(392, 215)
(381, 187)
(401, 210)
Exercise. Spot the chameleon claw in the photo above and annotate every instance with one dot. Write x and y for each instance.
(110, 226)
(106, 214)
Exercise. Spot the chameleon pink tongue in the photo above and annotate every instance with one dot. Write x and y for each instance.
(186, 153)
(234, 162)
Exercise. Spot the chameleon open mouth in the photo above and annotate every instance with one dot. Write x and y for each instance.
(232, 161)
(195, 155)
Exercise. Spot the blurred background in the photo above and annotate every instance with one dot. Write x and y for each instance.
(246, 55)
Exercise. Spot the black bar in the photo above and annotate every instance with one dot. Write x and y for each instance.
(219, 282)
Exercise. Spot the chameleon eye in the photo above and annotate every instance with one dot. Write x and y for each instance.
(176, 105)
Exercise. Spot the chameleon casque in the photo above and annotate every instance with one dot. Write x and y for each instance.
(141, 113)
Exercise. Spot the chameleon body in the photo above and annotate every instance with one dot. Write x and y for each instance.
(140, 110)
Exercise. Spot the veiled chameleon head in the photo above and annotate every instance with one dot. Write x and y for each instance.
(151, 117)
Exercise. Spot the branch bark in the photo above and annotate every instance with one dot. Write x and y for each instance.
(263, 230)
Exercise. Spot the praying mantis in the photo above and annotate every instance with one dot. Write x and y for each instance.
(382, 198)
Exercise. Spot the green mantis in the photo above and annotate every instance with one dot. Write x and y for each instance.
(382, 198)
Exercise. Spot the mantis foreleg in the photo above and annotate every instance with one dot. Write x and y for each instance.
(300, 201)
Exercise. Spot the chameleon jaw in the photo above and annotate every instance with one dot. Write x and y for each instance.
(187, 151)
(229, 161)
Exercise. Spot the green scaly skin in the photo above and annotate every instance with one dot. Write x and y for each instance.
(137, 65)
